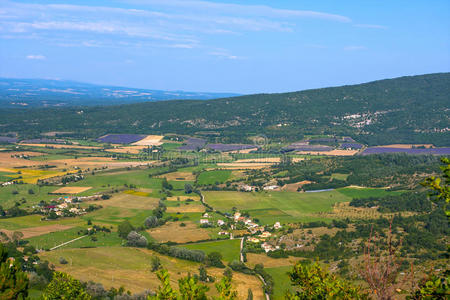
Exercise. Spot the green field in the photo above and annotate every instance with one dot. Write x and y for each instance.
(228, 248)
(213, 177)
(281, 280)
(53, 239)
(115, 215)
(367, 192)
(270, 207)
(8, 196)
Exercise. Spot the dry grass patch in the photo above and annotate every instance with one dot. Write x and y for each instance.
(183, 198)
(186, 208)
(36, 231)
(240, 166)
(7, 161)
(130, 201)
(127, 149)
(175, 233)
(292, 187)
(71, 190)
(344, 210)
(181, 176)
(268, 262)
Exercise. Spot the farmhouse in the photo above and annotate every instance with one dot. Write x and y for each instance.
(265, 234)
(253, 240)
(220, 222)
(267, 247)
(277, 225)
(270, 187)
(204, 221)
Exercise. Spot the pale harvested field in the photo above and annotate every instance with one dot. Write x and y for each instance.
(406, 146)
(241, 283)
(292, 187)
(183, 208)
(72, 190)
(331, 153)
(184, 198)
(243, 151)
(272, 160)
(240, 166)
(129, 201)
(150, 140)
(179, 176)
(60, 146)
(175, 233)
(36, 231)
(6, 161)
(268, 262)
(344, 210)
(127, 149)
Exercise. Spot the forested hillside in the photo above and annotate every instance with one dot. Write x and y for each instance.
(402, 110)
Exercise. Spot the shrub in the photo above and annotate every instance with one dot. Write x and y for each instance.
(135, 239)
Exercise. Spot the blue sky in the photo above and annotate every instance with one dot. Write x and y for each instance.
(224, 46)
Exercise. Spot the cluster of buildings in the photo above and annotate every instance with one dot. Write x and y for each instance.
(66, 206)
(259, 233)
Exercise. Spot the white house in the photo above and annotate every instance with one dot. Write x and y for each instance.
(220, 222)
(270, 187)
(277, 225)
(204, 221)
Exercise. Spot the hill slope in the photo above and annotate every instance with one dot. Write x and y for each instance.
(43, 92)
(401, 110)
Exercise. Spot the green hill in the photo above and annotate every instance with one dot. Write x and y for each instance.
(413, 109)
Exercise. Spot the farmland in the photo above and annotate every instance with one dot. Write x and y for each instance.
(119, 184)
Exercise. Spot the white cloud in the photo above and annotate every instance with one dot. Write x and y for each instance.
(372, 26)
(355, 48)
(36, 57)
(254, 10)
(224, 54)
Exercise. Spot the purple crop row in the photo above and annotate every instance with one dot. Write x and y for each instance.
(351, 145)
(43, 141)
(121, 138)
(7, 139)
(380, 150)
(193, 144)
(229, 147)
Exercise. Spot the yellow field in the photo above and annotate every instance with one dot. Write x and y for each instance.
(185, 208)
(32, 176)
(184, 198)
(173, 232)
(72, 190)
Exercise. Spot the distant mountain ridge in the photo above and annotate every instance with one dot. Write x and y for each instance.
(412, 109)
(47, 93)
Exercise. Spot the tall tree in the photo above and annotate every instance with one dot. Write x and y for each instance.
(13, 282)
(64, 286)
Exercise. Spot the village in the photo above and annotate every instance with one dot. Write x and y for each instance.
(259, 234)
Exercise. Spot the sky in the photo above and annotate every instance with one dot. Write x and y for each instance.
(250, 46)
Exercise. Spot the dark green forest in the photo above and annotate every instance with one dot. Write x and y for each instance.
(402, 110)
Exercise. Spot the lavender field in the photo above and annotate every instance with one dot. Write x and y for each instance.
(381, 150)
(229, 147)
(193, 144)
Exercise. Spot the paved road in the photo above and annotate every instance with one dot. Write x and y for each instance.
(78, 238)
